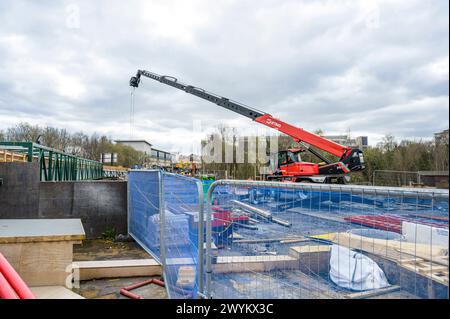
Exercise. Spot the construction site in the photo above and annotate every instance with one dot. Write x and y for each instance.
(327, 217)
(303, 233)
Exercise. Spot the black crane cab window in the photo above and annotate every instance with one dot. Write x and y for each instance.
(293, 157)
(282, 158)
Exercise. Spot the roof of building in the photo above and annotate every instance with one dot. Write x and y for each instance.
(157, 149)
(132, 141)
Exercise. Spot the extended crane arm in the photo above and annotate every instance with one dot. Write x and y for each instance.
(297, 134)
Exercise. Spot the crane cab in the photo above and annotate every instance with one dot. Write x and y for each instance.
(289, 163)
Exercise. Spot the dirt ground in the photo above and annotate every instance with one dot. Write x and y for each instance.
(110, 288)
(100, 249)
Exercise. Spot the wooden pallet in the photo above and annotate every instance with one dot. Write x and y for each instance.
(7, 156)
(186, 277)
(430, 269)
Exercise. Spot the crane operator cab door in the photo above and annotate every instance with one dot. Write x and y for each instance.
(288, 163)
(280, 161)
(276, 161)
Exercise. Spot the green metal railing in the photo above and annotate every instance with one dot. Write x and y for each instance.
(55, 165)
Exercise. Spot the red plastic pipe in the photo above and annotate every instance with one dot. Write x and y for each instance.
(17, 283)
(126, 290)
(139, 284)
(159, 282)
(6, 291)
(129, 294)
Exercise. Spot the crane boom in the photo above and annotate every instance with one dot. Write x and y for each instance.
(344, 153)
(211, 97)
(297, 134)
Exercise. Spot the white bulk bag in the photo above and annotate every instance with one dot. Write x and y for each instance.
(352, 270)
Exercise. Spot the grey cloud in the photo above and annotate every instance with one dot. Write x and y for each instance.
(312, 63)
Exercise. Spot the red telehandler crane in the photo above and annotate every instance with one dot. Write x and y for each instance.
(285, 165)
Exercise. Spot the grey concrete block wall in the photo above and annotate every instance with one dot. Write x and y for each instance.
(99, 204)
(55, 199)
(19, 194)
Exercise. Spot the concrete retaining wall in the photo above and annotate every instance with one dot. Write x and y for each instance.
(99, 204)
(19, 194)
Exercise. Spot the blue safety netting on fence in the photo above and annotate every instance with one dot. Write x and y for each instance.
(144, 209)
(182, 206)
(163, 218)
(275, 242)
(279, 241)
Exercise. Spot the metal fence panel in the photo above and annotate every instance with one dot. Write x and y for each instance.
(286, 240)
(183, 203)
(144, 209)
(395, 178)
(164, 211)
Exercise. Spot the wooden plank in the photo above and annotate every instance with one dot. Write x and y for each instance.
(186, 277)
(40, 230)
(54, 292)
(89, 270)
(372, 293)
(296, 251)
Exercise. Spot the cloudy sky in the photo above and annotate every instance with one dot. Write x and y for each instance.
(371, 67)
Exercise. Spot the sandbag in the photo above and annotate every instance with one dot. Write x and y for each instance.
(355, 271)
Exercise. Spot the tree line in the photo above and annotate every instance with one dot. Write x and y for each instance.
(78, 144)
(389, 154)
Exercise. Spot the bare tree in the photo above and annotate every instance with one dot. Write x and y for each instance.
(23, 132)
